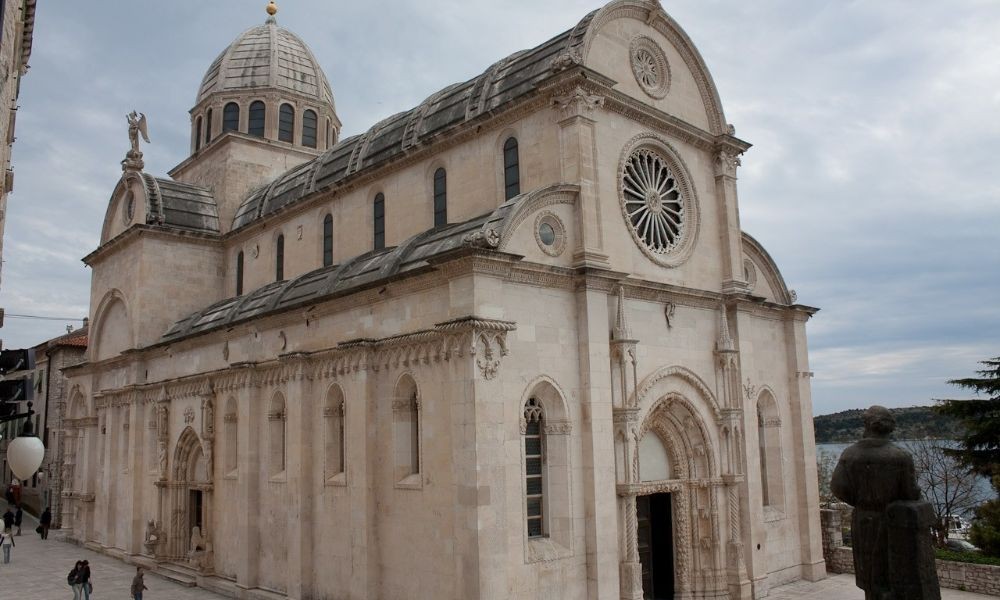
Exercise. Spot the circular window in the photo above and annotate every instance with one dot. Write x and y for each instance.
(128, 207)
(657, 203)
(550, 234)
(749, 273)
(649, 65)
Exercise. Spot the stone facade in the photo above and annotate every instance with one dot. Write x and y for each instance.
(17, 24)
(505, 404)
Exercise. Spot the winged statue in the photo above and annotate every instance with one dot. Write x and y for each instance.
(136, 126)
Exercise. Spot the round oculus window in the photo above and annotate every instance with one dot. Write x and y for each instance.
(546, 234)
(650, 67)
(654, 203)
(550, 233)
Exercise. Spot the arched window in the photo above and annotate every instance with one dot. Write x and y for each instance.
(309, 129)
(239, 274)
(286, 123)
(279, 259)
(327, 240)
(333, 414)
(769, 445)
(406, 432)
(440, 198)
(231, 449)
(276, 420)
(378, 214)
(258, 115)
(534, 459)
(208, 127)
(511, 169)
(197, 134)
(231, 117)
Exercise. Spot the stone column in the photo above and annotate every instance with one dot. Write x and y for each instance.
(810, 536)
(301, 411)
(630, 569)
(726, 161)
(578, 149)
(597, 433)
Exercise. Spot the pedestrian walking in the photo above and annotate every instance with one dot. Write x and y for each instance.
(84, 578)
(18, 517)
(45, 521)
(138, 585)
(73, 579)
(8, 518)
(7, 542)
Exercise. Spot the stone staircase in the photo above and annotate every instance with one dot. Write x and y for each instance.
(181, 574)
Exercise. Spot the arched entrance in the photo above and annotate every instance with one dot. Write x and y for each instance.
(671, 506)
(188, 502)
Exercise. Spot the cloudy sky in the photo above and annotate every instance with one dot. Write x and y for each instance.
(872, 180)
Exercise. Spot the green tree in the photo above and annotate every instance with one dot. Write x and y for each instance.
(979, 447)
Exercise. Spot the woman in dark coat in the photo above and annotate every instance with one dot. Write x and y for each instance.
(18, 517)
(83, 577)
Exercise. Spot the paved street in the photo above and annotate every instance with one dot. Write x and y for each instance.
(38, 572)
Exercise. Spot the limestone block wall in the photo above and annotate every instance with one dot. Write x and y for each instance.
(474, 186)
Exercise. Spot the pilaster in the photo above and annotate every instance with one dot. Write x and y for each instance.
(726, 161)
(251, 404)
(300, 408)
(578, 149)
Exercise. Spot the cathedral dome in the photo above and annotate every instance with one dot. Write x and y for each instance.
(267, 57)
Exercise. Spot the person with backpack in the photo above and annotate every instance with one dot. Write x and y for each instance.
(84, 578)
(7, 542)
(73, 580)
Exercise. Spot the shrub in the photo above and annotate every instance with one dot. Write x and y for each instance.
(966, 557)
(985, 530)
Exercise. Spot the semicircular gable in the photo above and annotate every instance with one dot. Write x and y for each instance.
(767, 274)
(651, 16)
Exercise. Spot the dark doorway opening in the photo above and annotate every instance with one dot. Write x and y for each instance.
(656, 546)
(195, 512)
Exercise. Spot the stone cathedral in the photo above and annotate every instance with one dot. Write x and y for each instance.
(510, 343)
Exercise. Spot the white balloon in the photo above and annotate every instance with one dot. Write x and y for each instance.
(24, 455)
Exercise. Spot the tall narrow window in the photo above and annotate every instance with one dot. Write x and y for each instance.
(276, 419)
(239, 274)
(197, 134)
(257, 116)
(327, 240)
(534, 459)
(769, 446)
(511, 169)
(329, 133)
(229, 426)
(378, 213)
(208, 127)
(286, 123)
(309, 129)
(406, 432)
(231, 117)
(279, 259)
(333, 414)
(440, 198)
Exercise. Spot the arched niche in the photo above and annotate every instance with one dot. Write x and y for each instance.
(113, 328)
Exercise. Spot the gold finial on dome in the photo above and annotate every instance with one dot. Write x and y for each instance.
(272, 8)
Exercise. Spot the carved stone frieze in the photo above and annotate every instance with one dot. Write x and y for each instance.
(558, 428)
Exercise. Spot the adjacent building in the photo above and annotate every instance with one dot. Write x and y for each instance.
(510, 343)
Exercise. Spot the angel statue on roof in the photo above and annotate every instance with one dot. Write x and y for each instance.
(137, 125)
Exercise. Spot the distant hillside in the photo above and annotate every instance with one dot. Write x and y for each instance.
(913, 423)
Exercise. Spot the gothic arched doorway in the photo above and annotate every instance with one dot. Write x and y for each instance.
(189, 500)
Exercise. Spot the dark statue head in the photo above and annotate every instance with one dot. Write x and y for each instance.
(879, 422)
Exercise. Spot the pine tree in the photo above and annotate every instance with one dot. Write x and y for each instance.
(979, 447)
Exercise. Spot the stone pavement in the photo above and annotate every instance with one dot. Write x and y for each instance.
(37, 571)
(841, 587)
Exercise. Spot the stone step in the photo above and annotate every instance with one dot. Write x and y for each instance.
(176, 573)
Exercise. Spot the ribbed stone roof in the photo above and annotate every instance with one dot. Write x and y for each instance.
(180, 205)
(504, 82)
(267, 56)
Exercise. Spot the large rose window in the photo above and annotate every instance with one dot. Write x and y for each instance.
(654, 204)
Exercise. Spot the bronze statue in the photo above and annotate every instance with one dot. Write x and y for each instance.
(872, 474)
